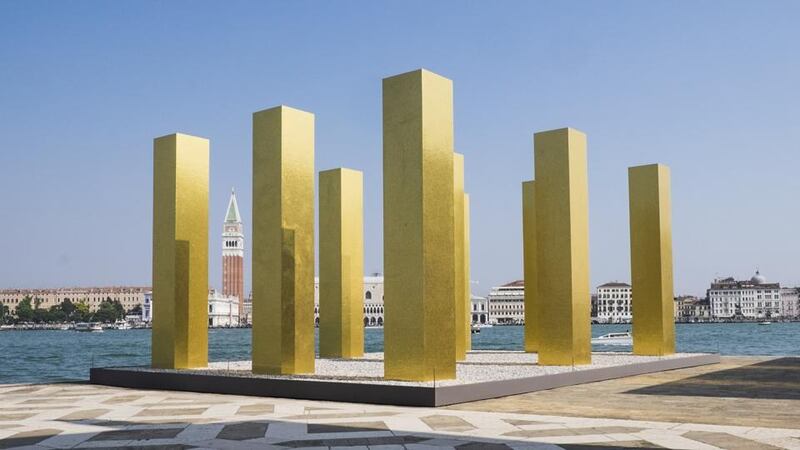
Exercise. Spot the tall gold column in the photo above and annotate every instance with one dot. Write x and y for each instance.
(651, 260)
(180, 252)
(461, 308)
(562, 247)
(467, 286)
(341, 264)
(418, 221)
(529, 264)
(283, 241)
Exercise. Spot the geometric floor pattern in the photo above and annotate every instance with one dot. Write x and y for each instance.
(88, 416)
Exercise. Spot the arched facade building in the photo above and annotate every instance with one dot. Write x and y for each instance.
(373, 301)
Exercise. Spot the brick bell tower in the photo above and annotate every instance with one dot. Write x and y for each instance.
(233, 254)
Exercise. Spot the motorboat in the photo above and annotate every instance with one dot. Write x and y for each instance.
(766, 322)
(121, 325)
(92, 327)
(475, 329)
(624, 338)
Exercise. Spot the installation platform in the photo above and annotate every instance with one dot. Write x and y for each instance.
(484, 375)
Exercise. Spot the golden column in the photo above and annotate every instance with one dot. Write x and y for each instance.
(651, 260)
(283, 241)
(418, 222)
(529, 264)
(562, 247)
(341, 264)
(461, 308)
(180, 252)
(467, 286)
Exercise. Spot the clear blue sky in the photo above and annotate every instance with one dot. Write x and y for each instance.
(711, 89)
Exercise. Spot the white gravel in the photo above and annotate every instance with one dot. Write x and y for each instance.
(481, 366)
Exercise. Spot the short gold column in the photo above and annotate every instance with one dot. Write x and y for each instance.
(651, 260)
(461, 308)
(562, 247)
(467, 285)
(283, 241)
(341, 264)
(418, 222)
(180, 252)
(529, 264)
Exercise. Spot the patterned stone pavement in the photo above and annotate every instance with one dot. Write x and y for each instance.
(86, 416)
(744, 391)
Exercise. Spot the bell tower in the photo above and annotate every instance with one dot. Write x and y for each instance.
(233, 254)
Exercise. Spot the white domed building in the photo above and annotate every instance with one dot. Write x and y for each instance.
(751, 299)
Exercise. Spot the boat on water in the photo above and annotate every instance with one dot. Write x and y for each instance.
(766, 322)
(121, 325)
(475, 329)
(624, 338)
(92, 327)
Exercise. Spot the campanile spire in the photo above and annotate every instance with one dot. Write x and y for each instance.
(233, 253)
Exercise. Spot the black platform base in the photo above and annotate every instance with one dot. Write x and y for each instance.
(377, 393)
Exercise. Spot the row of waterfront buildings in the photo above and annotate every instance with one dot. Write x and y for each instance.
(726, 299)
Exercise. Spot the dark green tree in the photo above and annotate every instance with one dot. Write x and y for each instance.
(81, 312)
(5, 315)
(67, 307)
(24, 310)
(40, 315)
(109, 311)
(56, 314)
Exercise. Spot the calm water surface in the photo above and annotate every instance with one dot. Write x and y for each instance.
(36, 356)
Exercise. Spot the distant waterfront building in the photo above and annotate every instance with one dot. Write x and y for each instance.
(373, 301)
(223, 310)
(247, 309)
(147, 307)
(753, 298)
(507, 304)
(689, 308)
(614, 302)
(128, 296)
(480, 310)
(790, 302)
(233, 255)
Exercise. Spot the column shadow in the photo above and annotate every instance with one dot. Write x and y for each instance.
(777, 379)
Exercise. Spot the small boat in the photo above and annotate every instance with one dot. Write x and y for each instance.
(64, 327)
(475, 329)
(93, 327)
(614, 339)
(121, 325)
(766, 322)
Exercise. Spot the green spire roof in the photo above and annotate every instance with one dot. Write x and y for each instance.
(233, 209)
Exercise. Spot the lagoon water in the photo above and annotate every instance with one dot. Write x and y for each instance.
(39, 356)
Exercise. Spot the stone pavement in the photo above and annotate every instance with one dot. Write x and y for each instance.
(744, 391)
(648, 411)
